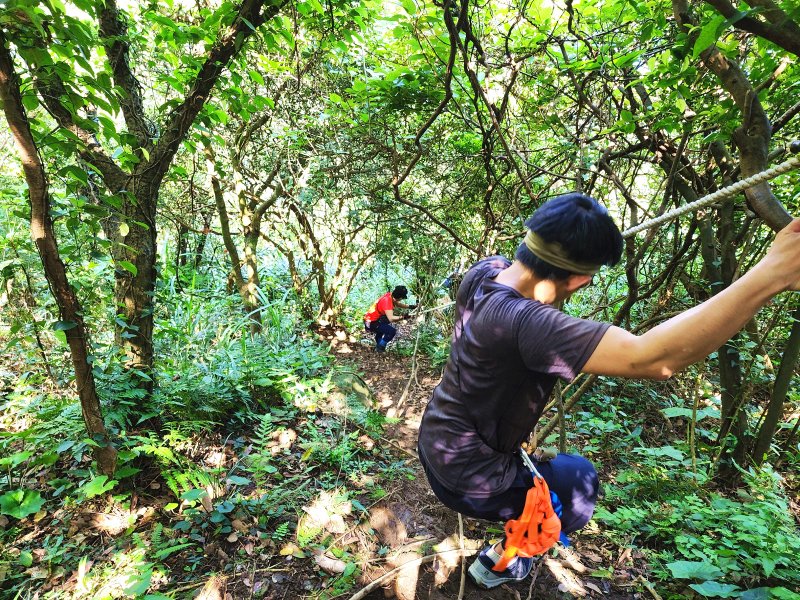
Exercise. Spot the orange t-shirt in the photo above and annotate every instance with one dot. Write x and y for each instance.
(380, 307)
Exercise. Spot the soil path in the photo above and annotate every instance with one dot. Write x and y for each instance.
(413, 525)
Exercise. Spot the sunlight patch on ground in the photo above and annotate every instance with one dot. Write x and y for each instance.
(568, 582)
(326, 513)
(122, 575)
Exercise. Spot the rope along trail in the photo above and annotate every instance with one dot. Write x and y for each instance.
(722, 194)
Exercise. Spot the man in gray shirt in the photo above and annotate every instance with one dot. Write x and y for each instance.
(510, 345)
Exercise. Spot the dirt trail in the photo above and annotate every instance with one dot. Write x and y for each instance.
(411, 519)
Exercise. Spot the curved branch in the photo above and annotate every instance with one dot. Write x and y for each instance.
(230, 42)
(752, 137)
(780, 29)
(113, 32)
(51, 90)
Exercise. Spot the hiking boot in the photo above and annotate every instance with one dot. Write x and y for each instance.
(483, 576)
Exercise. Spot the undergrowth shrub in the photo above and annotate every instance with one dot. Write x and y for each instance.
(748, 540)
(430, 339)
(212, 371)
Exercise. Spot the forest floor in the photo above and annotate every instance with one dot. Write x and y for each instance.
(406, 544)
(413, 518)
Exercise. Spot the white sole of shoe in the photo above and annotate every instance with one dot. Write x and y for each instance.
(483, 577)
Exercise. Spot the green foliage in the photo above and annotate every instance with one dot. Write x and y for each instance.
(20, 503)
(340, 92)
(430, 339)
(733, 541)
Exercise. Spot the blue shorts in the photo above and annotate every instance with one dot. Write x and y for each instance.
(572, 477)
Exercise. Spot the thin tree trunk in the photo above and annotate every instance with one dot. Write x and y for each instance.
(779, 390)
(44, 237)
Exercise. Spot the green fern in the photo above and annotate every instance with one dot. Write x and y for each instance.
(281, 531)
(186, 477)
(156, 537)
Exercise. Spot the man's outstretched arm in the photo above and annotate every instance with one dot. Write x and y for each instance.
(695, 333)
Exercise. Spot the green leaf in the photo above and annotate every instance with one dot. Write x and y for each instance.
(409, 6)
(16, 459)
(65, 445)
(124, 229)
(236, 480)
(138, 584)
(256, 76)
(708, 35)
(64, 325)
(164, 553)
(25, 558)
(684, 569)
(677, 411)
(126, 471)
(76, 173)
(97, 486)
(782, 593)
(768, 565)
(756, 594)
(130, 267)
(193, 495)
(712, 589)
(664, 451)
(680, 411)
(21, 503)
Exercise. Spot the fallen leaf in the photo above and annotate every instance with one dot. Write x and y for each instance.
(289, 549)
(37, 573)
(234, 537)
(214, 589)
(591, 556)
(624, 557)
(239, 526)
(334, 566)
(592, 587)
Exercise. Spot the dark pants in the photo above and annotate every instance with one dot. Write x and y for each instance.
(572, 477)
(383, 331)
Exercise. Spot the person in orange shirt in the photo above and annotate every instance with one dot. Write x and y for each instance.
(381, 315)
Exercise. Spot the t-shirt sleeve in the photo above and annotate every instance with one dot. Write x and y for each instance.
(555, 343)
(384, 304)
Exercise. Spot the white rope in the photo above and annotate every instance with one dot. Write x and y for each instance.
(427, 310)
(722, 194)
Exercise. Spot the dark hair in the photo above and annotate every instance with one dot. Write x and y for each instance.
(400, 292)
(581, 225)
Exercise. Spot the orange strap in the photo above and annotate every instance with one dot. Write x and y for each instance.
(536, 531)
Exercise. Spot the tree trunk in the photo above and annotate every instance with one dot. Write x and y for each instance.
(251, 285)
(44, 237)
(779, 391)
(135, 280)
(718, 271)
